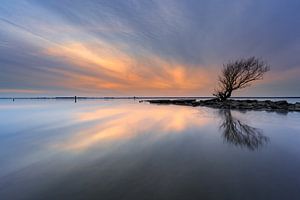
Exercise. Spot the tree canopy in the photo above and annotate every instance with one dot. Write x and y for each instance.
(239, 74)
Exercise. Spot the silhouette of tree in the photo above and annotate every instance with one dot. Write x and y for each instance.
(239, 74)
(241, 134)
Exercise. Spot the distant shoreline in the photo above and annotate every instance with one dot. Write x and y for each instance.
(142, 97)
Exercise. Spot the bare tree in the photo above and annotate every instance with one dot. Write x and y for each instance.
(239, 74)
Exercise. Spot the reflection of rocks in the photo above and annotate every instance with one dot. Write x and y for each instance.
(297, 106)
(277, 106)
(241, 134)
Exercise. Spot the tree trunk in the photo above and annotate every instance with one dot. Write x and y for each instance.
(224, 96)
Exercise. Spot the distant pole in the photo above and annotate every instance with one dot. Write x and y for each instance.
(75, 98)
(13, 99)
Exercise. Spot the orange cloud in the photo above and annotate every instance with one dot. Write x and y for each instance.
(276, 76)
(27, 91)
(101, 66)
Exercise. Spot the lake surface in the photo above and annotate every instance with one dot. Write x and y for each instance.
(122, 149)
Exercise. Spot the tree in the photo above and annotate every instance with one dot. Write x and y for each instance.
(239, 74)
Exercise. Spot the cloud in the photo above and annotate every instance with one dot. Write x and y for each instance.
(159, 47)
(104, 67)
(26, 91)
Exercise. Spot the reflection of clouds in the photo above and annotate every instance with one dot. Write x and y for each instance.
(240, 134)
(124, 122)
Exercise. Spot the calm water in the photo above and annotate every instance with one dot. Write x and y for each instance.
(123, 149)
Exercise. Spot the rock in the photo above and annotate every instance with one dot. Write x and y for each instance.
(251, 101)
(297, 106)
(268, 101)
(281, 102)
(160, 101)
(176, 102)
(277, 106)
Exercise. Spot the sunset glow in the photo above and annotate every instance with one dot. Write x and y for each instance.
(134, 49)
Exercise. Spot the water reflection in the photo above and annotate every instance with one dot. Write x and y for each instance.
(126, 150)
(239, 133)
(122, 123)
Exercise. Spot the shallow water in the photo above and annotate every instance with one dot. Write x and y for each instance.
(122, 149)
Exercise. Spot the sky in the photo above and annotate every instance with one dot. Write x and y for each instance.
(144, 47)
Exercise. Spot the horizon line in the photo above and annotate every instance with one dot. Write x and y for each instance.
(138, 97)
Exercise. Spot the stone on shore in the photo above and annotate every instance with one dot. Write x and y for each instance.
(267, 105)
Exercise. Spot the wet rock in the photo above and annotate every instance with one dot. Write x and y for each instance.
(277, 106)
(176, 102)
(297, 106)
(281, 102)
(160, 101)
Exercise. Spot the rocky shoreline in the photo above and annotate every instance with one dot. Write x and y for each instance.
(267, 105)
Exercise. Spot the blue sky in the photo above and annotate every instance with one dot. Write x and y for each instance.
(144, 47)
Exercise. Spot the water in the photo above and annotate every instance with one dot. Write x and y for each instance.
(122, 149)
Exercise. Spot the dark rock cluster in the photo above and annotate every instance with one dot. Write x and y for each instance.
(279, 106)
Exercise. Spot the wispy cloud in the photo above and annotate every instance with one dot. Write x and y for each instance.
(25, 91)
(101, 66)
(136, 47)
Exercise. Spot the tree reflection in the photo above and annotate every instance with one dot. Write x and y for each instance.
(241, 134)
